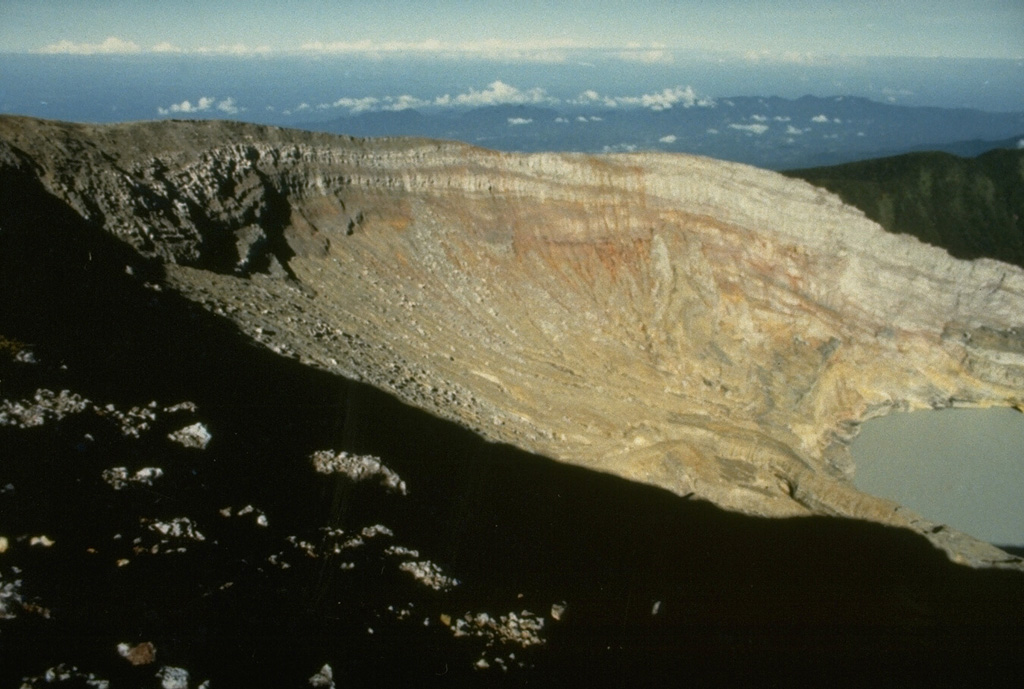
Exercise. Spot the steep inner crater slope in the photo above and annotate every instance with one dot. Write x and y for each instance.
(706, 327)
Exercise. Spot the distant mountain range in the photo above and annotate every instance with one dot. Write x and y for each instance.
(769, 132)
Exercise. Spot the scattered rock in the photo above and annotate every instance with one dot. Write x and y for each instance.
(118, 478)
(195, 436)
(140, 654)
(173, 677)
(44, 407)
(305, 546)
(47, 406)
(179, 527)
(323, 678)
(557, 610)
(66, 673)
(401, 551)
(181, 406)
(429, 574)
(10, 598)
(376, 530)
(261, 517)
(358, 468)
(522, 630)
(175, 531)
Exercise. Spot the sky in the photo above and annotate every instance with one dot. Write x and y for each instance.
(526, 29)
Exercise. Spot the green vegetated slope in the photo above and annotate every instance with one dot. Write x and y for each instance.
(972, 207)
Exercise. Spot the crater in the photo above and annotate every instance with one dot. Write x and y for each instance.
(555, 302)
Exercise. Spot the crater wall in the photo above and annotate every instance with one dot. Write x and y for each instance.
(703, 326)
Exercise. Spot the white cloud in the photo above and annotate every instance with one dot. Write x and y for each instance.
(373, 104)
(492, 49)
(515, 121)
(792, 57)
(541, 51)
(595, 118)
(1020, 143)
(404, 102)
(496, 93)
(368, 46)
(238, 49)
(561, 120)
(750, 128)
(661, 100)
(228, 105)
(669, 139)
(166, 47)
(819, 118)
(667, 98)
(759, 118)
(793, 131)
(355, 105)
(712, 131)
(113, 45)
(592, 97)
(110, 46)
(781, 118)
(300, 108)
(186, 107)
(651, 56)
(581, 118)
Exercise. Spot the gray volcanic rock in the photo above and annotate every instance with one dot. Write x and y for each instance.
(707, 327)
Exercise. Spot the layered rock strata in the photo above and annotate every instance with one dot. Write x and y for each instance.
(707, 327)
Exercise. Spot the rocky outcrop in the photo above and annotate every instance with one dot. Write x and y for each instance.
(707, 327)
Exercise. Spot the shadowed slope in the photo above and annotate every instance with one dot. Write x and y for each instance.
(654, 587)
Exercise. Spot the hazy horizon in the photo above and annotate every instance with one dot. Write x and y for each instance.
(648, 31)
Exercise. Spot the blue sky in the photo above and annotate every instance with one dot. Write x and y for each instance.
(651, 30)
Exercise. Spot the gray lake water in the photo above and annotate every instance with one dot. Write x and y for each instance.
(961, 467)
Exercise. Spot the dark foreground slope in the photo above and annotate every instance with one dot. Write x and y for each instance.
(657, 590)
(972, 207)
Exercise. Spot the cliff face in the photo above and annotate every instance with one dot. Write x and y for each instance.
(706, 327)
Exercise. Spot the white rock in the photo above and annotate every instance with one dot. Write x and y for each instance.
(358, 468)
(173, 677)
(323, 678)
(195, 436)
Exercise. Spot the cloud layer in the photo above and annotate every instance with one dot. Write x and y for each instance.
(543, 51)
(501, 93)
(110, 46)
(496, 93)
(204, 104)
